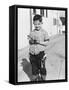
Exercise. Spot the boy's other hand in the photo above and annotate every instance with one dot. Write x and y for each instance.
(28, 37)
(31, 41)
(36, 42)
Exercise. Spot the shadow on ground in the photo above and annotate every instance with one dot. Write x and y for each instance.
(27, 68)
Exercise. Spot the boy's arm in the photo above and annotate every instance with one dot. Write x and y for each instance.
(31, 41)
(45, 43)
(31, 38)
(46, 39)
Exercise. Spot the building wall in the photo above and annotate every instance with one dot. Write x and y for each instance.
(23, 27)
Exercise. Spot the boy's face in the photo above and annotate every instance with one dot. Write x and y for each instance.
(37, 25)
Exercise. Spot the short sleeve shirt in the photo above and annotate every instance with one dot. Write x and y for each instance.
(39, 36)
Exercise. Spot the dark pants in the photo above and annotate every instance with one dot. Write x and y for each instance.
(35, 61)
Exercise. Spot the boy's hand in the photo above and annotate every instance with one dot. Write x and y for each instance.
(28, 37)
(36, 42)
(31, 41)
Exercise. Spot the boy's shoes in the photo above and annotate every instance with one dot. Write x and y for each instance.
(39, 78)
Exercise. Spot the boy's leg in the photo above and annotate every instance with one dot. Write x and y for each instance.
(34, 65)
(42, 68)
(43, 73)
(34, 71)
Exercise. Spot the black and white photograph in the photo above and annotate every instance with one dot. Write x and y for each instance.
(37, 44)
(41, 44)
(34, 44)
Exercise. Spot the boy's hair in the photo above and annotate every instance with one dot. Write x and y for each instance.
(37, 17)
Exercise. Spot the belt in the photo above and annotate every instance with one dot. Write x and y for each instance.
(37, 54)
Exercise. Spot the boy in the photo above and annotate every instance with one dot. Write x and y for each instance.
(37, 40)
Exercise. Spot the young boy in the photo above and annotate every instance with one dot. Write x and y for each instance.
(37, 40)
